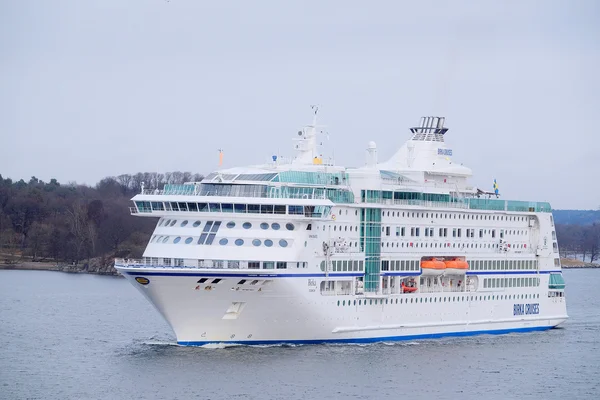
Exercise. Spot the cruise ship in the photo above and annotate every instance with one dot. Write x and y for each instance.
(303, 251)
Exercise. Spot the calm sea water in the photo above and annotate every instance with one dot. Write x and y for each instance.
(91, 337)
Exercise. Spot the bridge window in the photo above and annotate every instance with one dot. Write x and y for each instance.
(268, 265)
(266, 209)
(296, 210)
(279, 209)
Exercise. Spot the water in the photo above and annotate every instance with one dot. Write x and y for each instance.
(91, 337)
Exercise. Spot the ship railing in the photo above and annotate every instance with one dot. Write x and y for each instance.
(423, 203)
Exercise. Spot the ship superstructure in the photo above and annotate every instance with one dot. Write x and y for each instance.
(303, 251)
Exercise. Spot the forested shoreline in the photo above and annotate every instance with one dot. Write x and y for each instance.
(78, 226)
(84, 228)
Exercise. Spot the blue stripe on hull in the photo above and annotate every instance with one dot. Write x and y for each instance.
(372, 340)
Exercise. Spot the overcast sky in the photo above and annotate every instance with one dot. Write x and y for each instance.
(90, 89)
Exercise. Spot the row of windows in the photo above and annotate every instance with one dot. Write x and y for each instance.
(345, 265)
(308, 211)
(510, 282)
(501, 265)
(222, 264)
(412, 299)
(448, 245)
(208, 240)
(246, 225)
(468, 216)
(456, 232)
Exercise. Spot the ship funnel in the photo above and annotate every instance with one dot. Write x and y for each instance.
(430, 126)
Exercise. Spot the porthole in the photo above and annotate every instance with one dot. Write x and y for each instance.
(166, 238)
(256, 242)
(167, 222)
(289, 226)
(275, 226)
(268, 242)
(264, 225)
(188, 240)
(223, 241)
(230, 224)
(239, 242)
(184, 223)
(196, 224)
(173, 222)
(283, 243)
(247, 225)
(177, 239)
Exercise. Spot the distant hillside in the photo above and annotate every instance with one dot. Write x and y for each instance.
(576, 217)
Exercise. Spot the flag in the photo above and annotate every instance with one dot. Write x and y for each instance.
(495, 187)
(220, 157)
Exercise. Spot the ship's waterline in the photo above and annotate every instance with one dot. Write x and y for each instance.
(303, 251)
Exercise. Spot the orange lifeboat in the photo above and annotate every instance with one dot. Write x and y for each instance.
(407, 289)
(456, 267)
(432, 267)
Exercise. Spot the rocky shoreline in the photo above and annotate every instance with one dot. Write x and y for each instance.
(84, 268)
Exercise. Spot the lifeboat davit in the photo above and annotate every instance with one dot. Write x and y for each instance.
(407, 289)
(432, 267)
(456, 267)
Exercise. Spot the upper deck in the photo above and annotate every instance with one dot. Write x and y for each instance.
(421, 174)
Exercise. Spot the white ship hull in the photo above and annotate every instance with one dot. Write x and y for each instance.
(288, 309)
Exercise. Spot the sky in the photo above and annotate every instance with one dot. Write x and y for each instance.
(90, 89)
